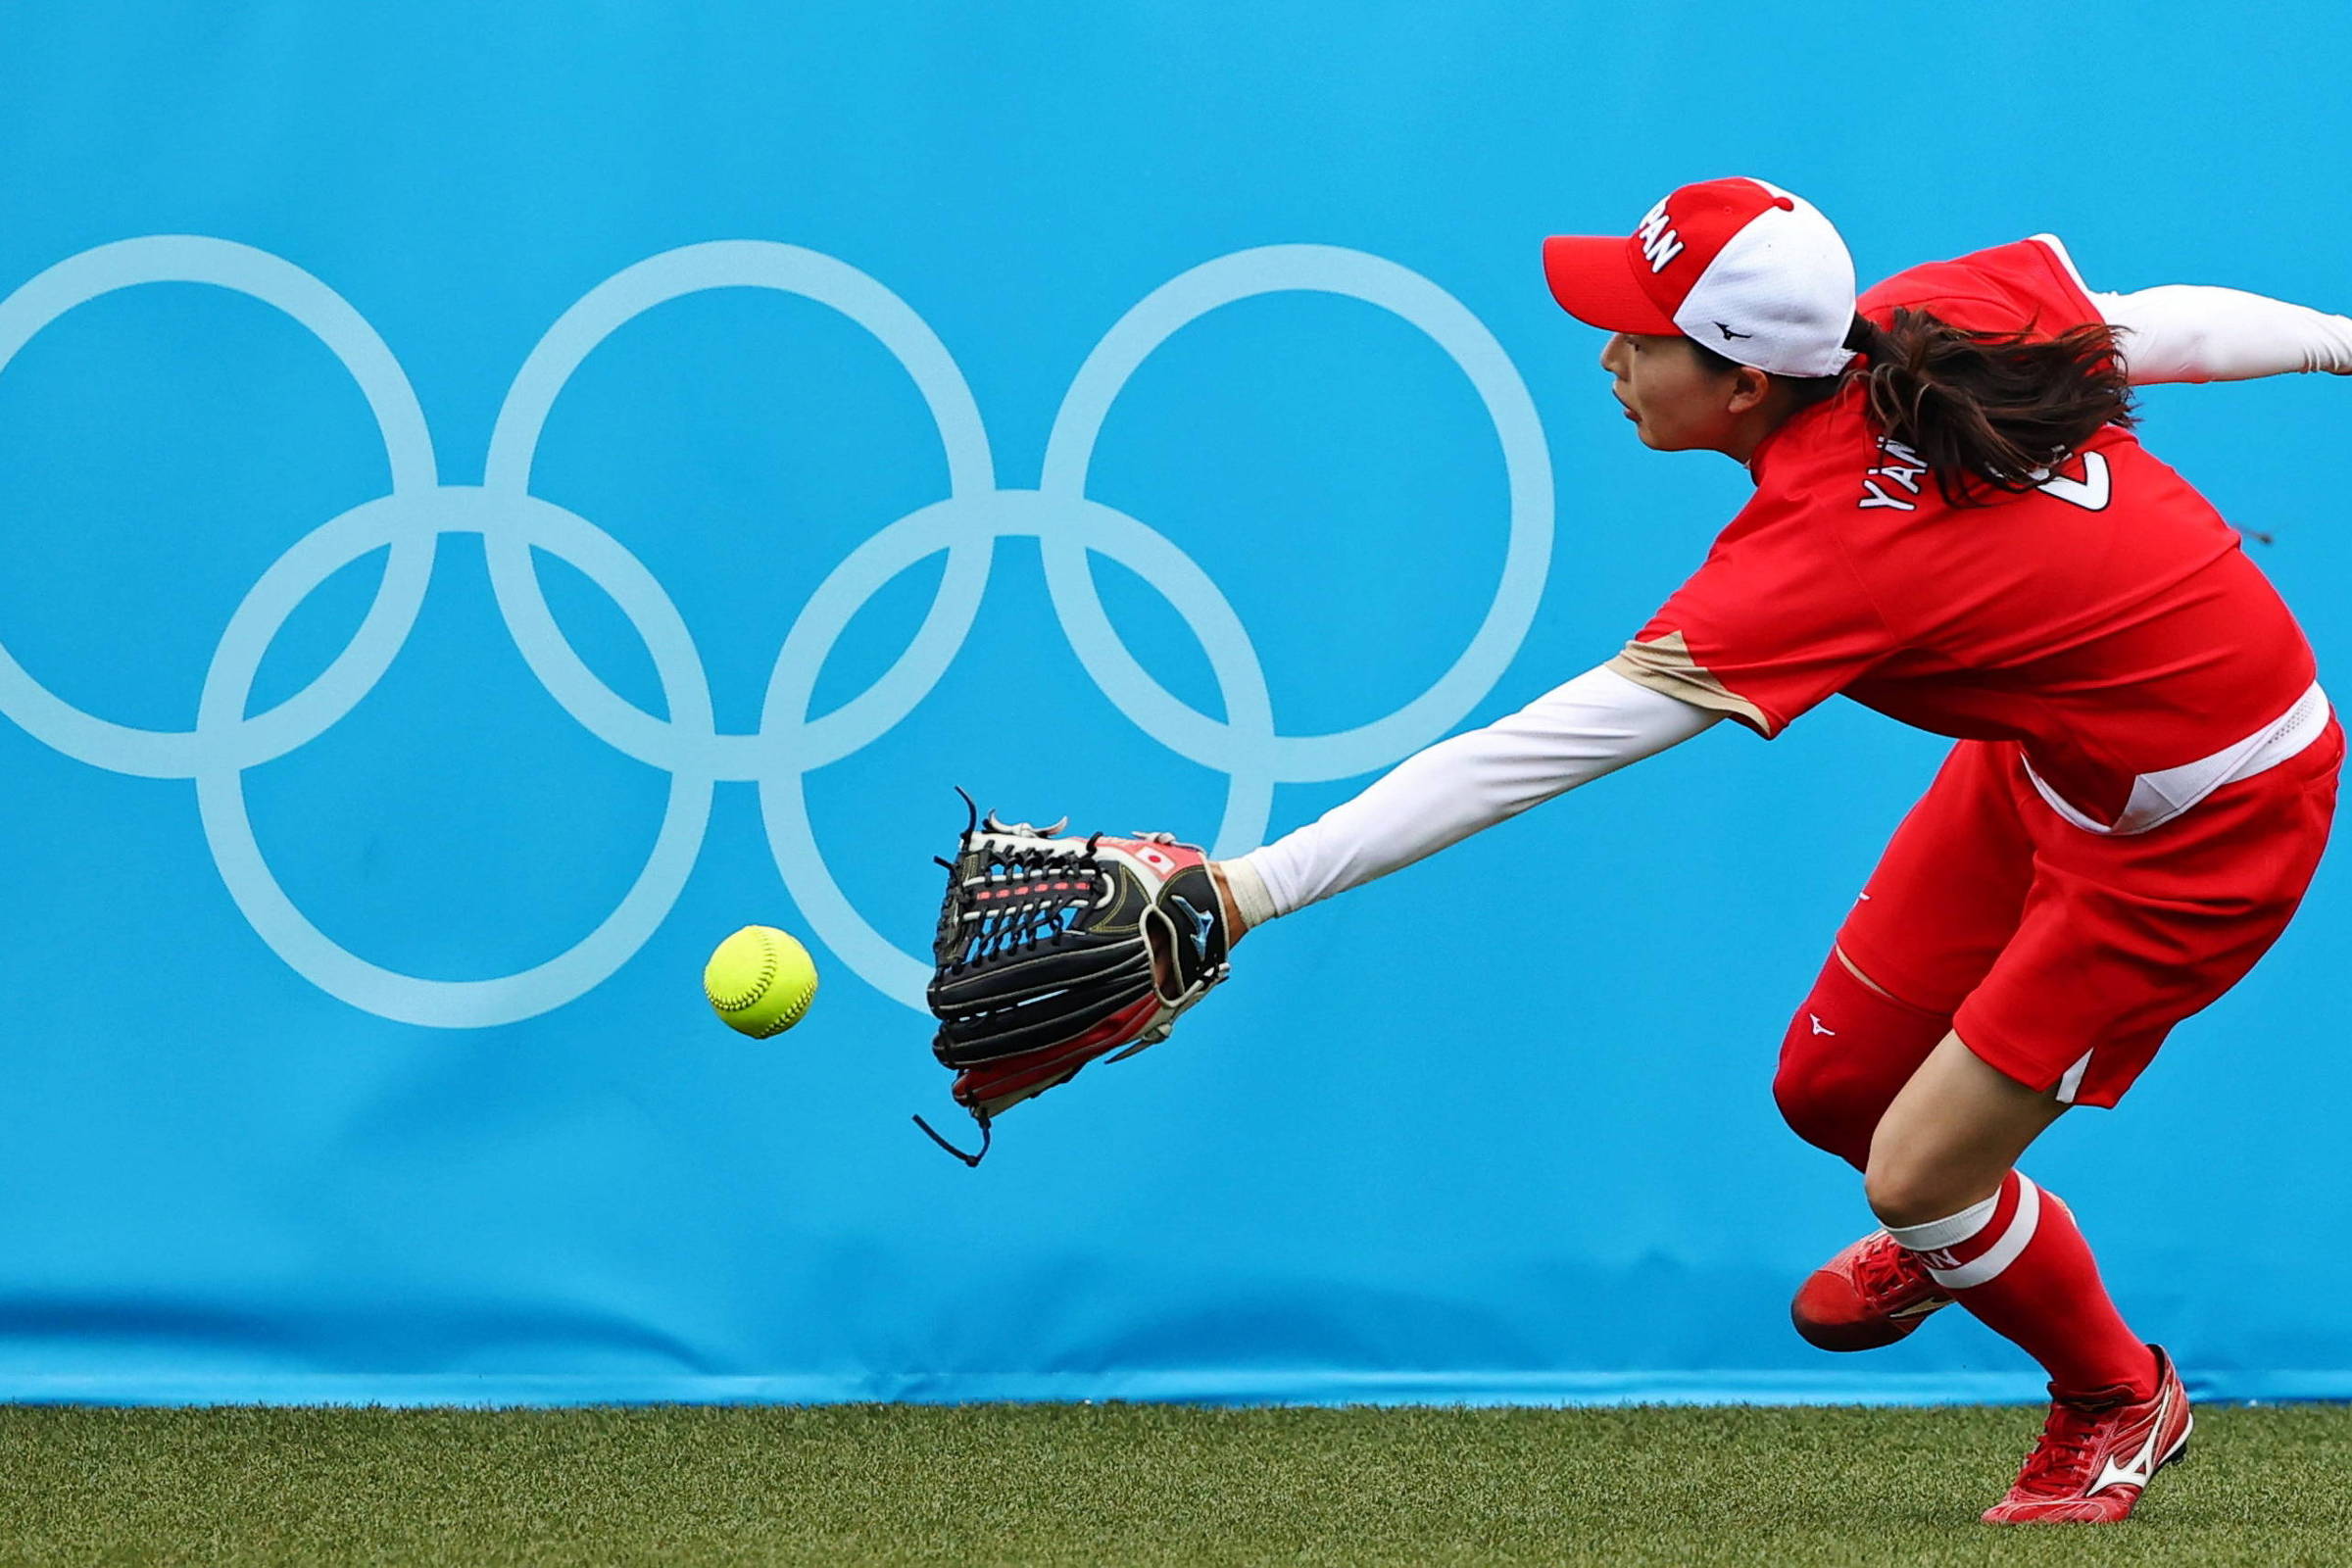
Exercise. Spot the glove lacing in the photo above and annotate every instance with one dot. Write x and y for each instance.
(1024, 896)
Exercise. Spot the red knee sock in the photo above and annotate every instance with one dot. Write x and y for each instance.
(2018, 1263)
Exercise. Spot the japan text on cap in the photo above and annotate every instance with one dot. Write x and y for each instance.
(1748, 269)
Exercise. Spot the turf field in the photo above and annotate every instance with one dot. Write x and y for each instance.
(1125, 1484)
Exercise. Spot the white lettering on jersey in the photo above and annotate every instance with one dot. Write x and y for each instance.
(1902, 467)
(1659, 242)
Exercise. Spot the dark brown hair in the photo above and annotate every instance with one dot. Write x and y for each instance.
(1988, 407)
(1995, 410)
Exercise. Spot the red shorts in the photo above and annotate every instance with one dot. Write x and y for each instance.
(2064, 957)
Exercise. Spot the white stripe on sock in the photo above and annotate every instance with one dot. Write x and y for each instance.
(2001, 1253)
(1937, 1234)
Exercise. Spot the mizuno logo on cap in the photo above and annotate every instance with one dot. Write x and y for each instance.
(1728, 334)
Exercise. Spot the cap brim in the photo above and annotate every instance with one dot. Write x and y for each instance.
(1594, 281)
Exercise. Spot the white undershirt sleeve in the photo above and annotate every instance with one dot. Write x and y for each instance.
(1594, 724)
(2194, 332)
(2191, 332)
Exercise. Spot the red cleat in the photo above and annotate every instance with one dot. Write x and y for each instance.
(1872, 1294)
(2096, 1458)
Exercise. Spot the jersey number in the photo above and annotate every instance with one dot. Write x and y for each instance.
(2090, 492)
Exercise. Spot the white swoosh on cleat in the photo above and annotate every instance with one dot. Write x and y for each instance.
(2143, 1464)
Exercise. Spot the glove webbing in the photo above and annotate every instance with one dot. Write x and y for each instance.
(1018, 897)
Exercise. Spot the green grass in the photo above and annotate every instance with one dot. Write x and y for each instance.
(1125, 1484)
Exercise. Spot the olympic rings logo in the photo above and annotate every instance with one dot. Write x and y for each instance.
(788, 744)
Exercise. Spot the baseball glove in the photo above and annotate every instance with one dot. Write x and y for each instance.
(1051, 952)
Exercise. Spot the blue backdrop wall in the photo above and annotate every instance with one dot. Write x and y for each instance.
(496, 498)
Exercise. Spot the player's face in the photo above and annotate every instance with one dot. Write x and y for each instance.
(1677, 402)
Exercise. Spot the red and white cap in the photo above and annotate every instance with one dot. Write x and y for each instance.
(1753, 272)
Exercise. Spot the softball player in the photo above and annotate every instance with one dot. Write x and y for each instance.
(1953, 524)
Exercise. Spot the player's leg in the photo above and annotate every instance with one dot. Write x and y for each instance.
(1934, 916)
(1943, 1180)
(2119, 939)
(1936, 911)
(1849, 1050)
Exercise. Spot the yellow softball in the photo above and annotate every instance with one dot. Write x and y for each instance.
(761, 981)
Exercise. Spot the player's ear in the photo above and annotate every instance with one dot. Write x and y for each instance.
(1749, 388)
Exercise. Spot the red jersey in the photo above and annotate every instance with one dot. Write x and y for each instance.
(2109, 622)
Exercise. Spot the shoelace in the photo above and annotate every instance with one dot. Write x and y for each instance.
(2062, 1457)
(1888, 1274)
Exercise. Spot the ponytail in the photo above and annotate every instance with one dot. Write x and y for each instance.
(1987, 408)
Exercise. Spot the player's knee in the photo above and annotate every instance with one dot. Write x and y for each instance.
(1820, 1097)
(1906, 1192)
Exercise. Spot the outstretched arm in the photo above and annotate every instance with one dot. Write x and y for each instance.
(2191, 332)
(1594, 724)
